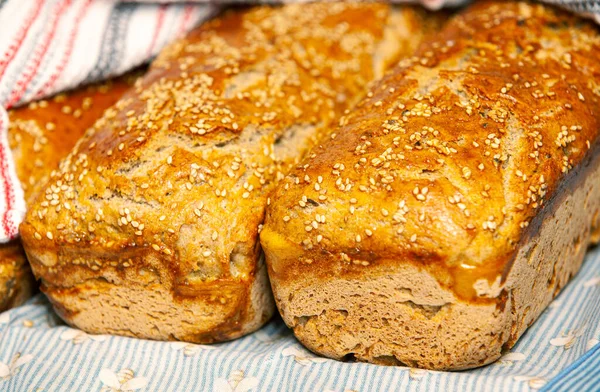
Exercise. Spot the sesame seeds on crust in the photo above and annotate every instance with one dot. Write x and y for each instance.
(488, 117)
(220, 118)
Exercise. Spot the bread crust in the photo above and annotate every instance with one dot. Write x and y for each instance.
(17, 284)
(165, 196)
(39, 135)
(440, 183)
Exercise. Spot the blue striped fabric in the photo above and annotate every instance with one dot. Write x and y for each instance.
(581, 375)
(560, 352)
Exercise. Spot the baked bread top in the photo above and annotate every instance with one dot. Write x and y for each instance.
(179, 170)
(43, 132)
(445, 164)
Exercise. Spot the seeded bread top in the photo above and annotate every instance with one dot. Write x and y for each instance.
(43, 132)
(178, 172)
(451, 157)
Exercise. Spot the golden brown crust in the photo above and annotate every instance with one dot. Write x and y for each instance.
(175, 178)
(16, 280)
(451, 160)
(40, 134)
(454, 153)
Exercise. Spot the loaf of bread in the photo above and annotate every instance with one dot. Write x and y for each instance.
(39, 135)
(150, 227)
(453, 203)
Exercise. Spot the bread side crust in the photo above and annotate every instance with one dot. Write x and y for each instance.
(17, 284)
(402, 316)
(39, 135)
(149, 309)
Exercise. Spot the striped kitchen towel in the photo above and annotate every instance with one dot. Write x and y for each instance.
(47, 46)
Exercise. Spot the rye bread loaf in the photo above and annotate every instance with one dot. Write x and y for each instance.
(453, 203)
(40, 134)
(150, 227)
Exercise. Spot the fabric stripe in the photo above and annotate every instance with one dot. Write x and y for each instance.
(112, 44)
(160, 17)
(14, 204)
(578, 374)
(38, 55)
(12, 50)
(187, 17)
(67, 54)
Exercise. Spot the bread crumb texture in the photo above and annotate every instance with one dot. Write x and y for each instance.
(451, 205)
(150, 226)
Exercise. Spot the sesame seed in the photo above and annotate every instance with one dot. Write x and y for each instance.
(466, 172)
